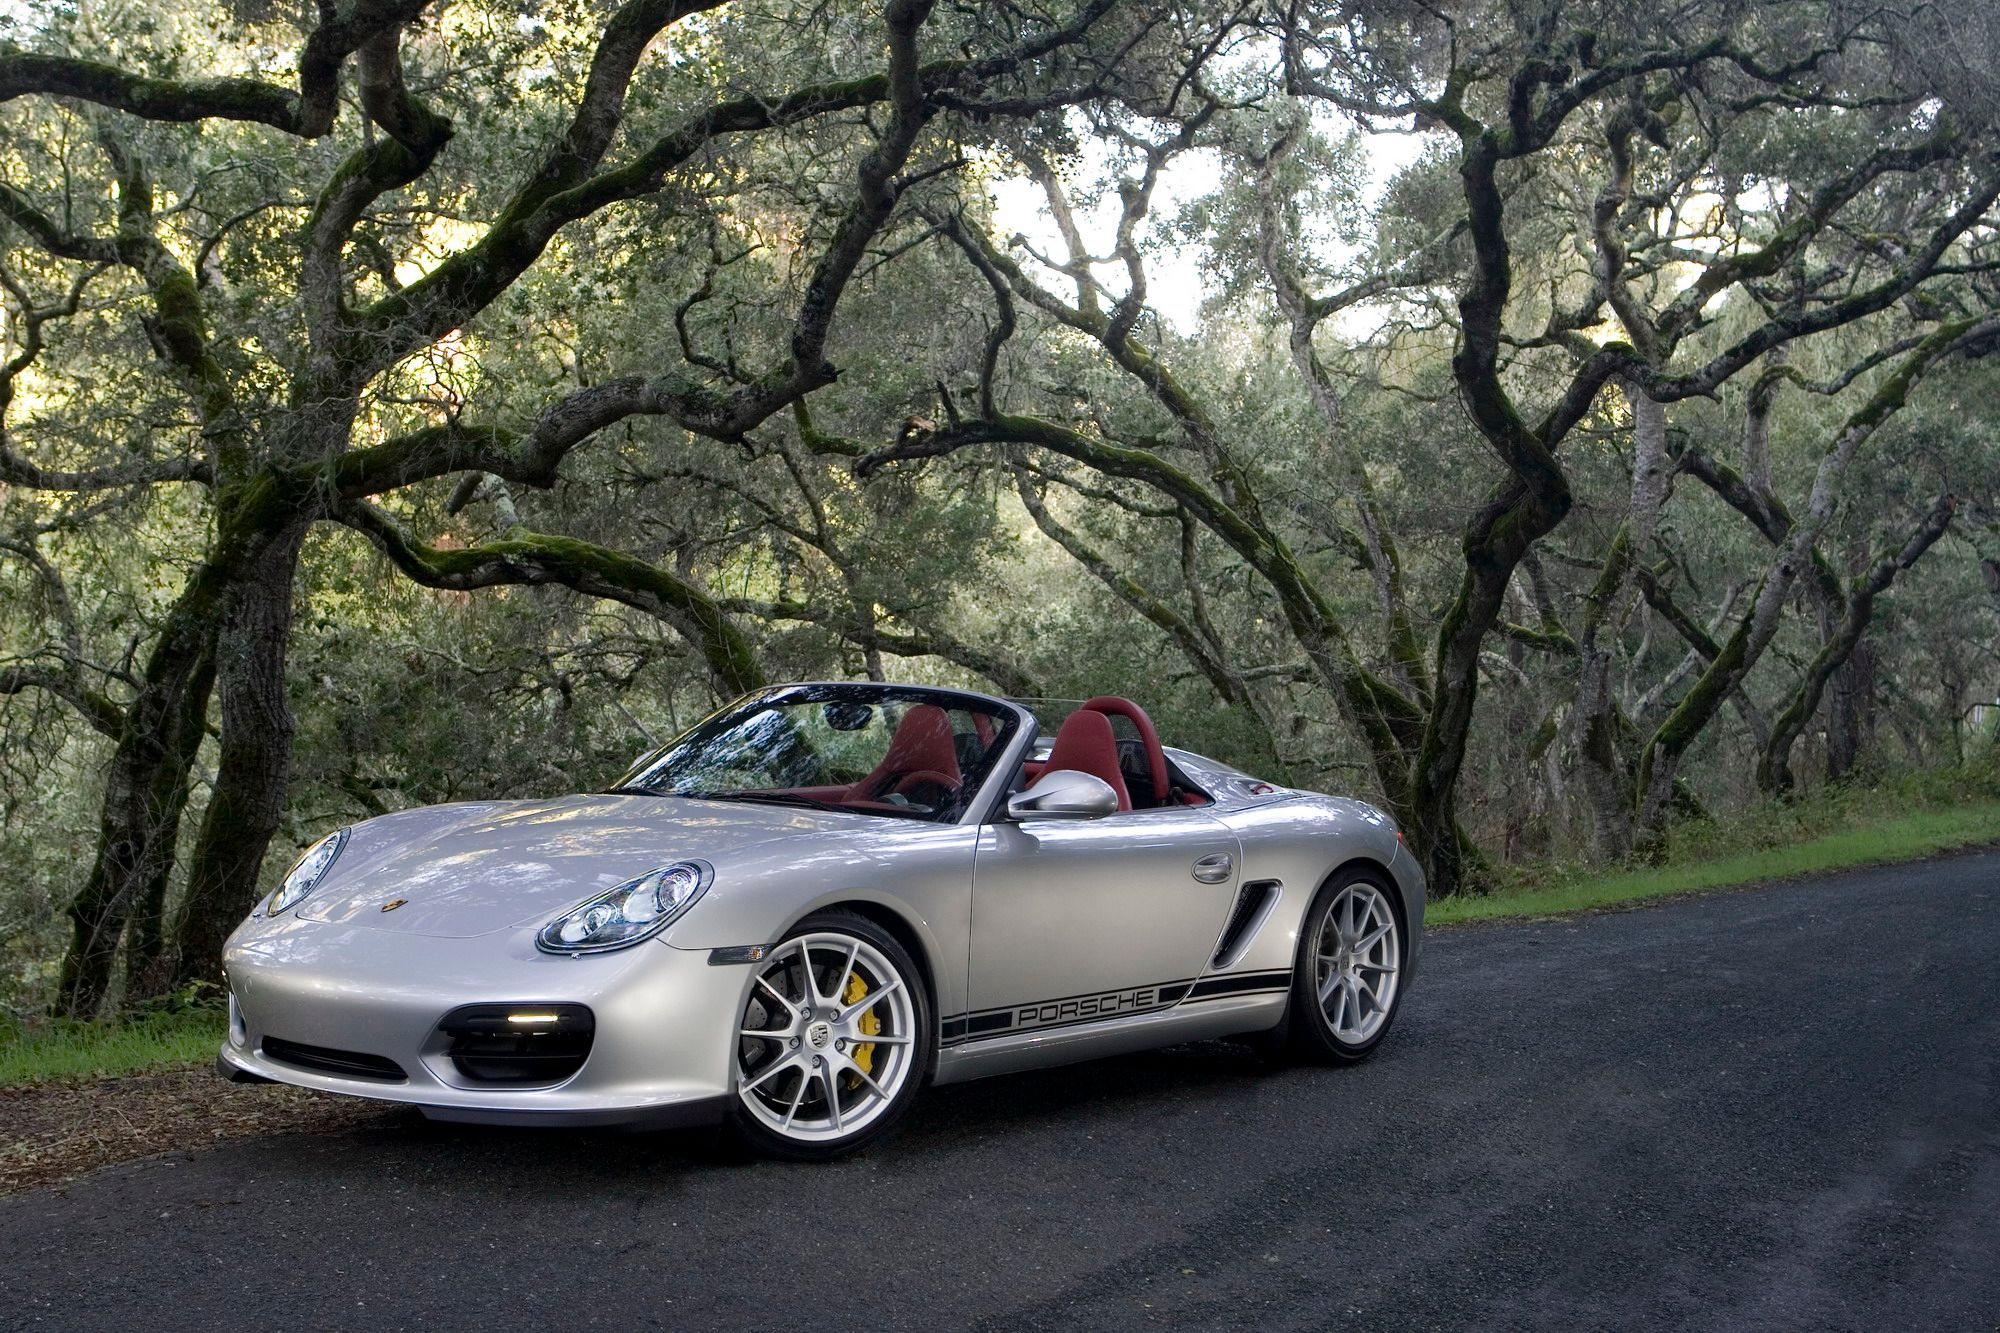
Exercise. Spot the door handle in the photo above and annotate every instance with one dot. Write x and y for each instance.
(1213, 868)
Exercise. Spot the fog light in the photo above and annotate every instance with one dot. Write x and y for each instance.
(497, 1043)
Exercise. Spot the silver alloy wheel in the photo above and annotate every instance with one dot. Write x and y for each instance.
(808, 1067)
(1356, 957)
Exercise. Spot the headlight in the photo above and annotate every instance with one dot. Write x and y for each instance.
(633, 911)
(305, 876)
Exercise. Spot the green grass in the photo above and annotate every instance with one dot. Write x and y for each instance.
(48, 1051)
(1874, 841)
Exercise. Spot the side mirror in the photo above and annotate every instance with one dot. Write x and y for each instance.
(1064, 793)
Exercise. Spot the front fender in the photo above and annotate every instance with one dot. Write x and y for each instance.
(923, 874)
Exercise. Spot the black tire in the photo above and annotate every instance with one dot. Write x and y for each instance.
(753, 1135)
(1309, 1031)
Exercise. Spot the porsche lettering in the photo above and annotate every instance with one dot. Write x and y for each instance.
(1088, 1006)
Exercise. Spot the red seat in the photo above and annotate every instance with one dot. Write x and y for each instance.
(1086, 744)
(922, 744)
(1149, 740)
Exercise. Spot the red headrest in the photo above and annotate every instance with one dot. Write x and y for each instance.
(1086, 744)
(1149, 739)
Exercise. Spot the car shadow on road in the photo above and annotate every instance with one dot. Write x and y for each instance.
(1131, 1084)
(943, 1120)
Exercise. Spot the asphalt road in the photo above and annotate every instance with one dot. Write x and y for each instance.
(1773, 1109)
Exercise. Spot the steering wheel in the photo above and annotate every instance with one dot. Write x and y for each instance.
(904, 781)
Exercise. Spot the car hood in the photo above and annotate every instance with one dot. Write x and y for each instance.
(464, 870)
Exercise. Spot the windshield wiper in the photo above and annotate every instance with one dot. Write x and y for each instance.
(768, 798)
(775, 798)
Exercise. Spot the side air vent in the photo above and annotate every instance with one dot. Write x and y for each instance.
(1253, 904)
(518, 1043)
(325, 1060)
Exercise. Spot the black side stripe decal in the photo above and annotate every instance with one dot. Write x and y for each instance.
(1236, 984)
(1096, 1006)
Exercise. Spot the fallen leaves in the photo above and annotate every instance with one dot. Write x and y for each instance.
(53, 1132)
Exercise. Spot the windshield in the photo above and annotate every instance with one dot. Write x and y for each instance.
(899, 751)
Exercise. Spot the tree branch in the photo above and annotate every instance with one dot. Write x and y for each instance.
(25, 73)
(536, 558)
(104, 716)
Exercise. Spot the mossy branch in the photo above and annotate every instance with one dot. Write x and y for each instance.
(93, 706)
(1003, 671)
(26, 73)
(538, 558)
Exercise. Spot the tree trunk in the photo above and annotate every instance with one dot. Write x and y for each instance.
(1774, 769)
(1849, 705)
(1496, 540)
(145, 794)
(1607, 788)
(148, 968)
(1519, 513)
(1600, 771)
(1797, 557)
(1838, 709)
(253, 642)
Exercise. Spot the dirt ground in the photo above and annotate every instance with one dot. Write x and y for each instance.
(53, 1132)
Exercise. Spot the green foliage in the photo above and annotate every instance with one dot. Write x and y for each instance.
(1899, 817)
(59, 1050)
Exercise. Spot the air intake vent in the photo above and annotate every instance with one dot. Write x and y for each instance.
(325, 1060)
(1252, 903)
(518, 1043)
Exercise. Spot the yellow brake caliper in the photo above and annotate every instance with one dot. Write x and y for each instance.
(864, 1053)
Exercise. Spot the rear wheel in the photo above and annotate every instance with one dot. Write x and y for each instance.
(1346, 983)
(833, 1043)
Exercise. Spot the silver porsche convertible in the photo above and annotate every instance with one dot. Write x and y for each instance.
(814, 902)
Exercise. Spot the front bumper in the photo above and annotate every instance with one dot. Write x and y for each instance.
(659, 1056)
(672, 1115)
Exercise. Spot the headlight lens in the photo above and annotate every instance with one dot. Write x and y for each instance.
(633, 911)
(305, 876)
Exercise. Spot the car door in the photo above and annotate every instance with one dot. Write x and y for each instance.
(1082, 919)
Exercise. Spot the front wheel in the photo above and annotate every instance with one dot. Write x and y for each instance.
(1346, 981)
(834, 1040)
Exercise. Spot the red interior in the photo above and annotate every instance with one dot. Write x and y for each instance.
(924, 751)
(1086, 744)
(922, 745)
(1156, 757)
